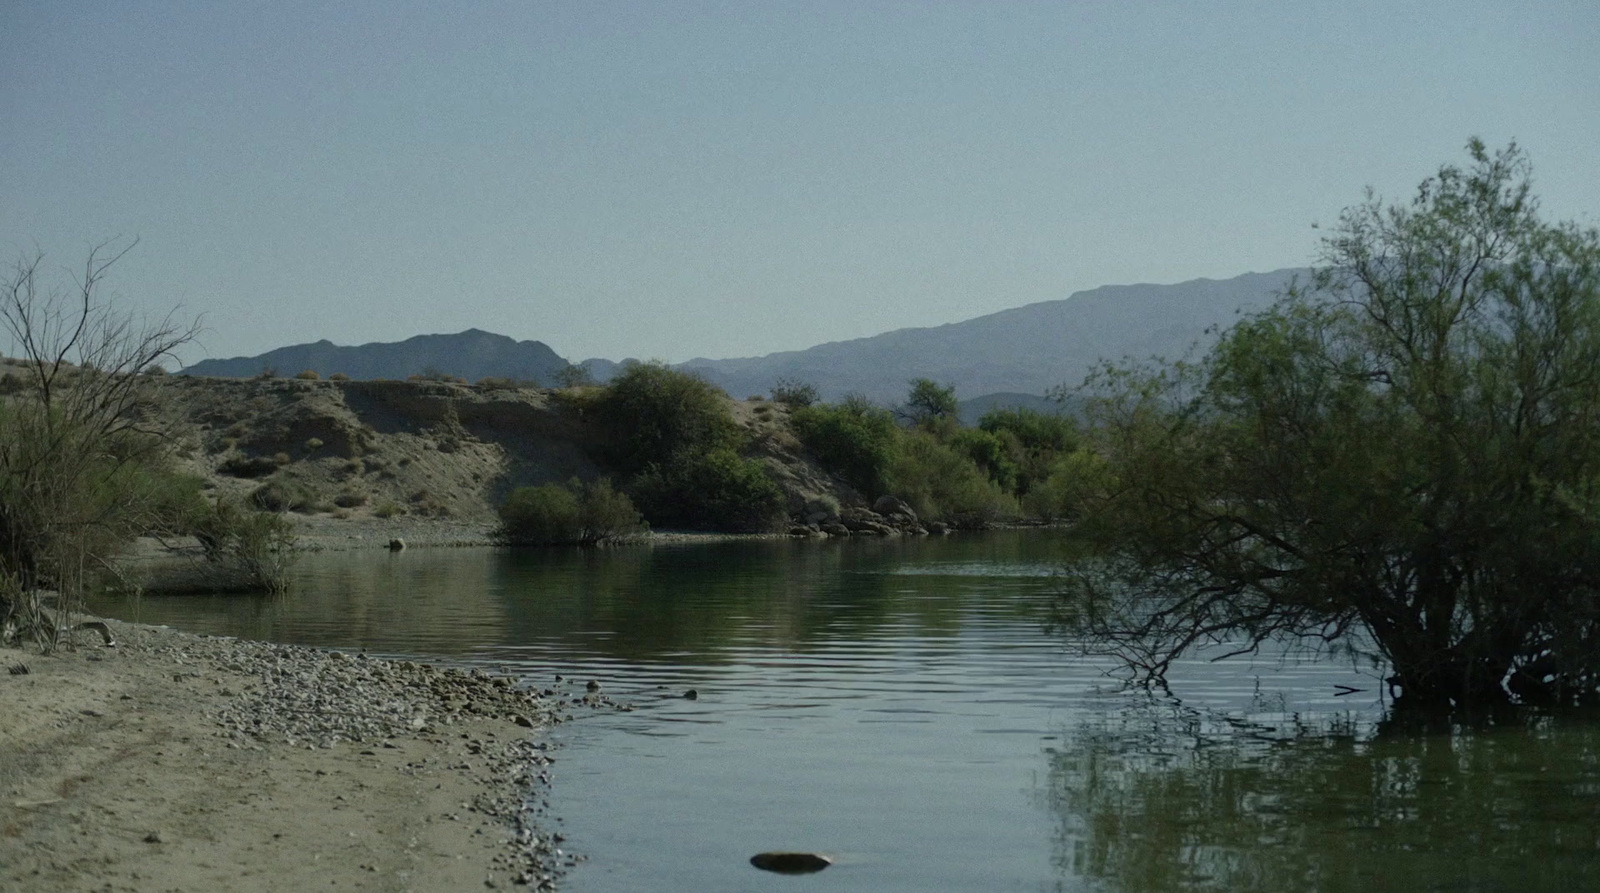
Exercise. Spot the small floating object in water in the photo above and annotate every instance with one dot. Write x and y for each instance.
(691, 695)
(593, 685)
(397, 545)
(790, 863)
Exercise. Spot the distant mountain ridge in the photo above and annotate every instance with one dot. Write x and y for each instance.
(472, 355)
(1023, 351)
(1028, 349)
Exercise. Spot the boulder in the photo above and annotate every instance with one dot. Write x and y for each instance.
(890, 506)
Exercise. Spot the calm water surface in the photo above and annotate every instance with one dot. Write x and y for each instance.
(897, 704)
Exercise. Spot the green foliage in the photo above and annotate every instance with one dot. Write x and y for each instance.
(571, 513)
(854, 440)
(1071, 479)
(718, 490)
(574, 375)
(941, 483)
(254, 546)
(80, 474)
(929, 402)
(1033, 441)
(990, 452)
(1407, 447)
(654, 415)
(794, 394)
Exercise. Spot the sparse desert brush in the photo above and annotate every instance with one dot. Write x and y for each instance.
(248, 466)
(313, 444)
(308, 375)
(349, 498)
(338, 376)
(387, 509)
(281, 458)
(282, 496)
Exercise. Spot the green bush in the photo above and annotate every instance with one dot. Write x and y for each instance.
(855, 440)
(651, 414)
(718, 490)
(794, 394)
(572, 513)
(1034, 440)
(942, 484)
(308, 375)
(990, 452)
(1073, 476)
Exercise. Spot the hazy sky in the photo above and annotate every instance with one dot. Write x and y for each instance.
(670, 180)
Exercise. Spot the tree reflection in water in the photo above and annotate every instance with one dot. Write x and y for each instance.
(1162, 798)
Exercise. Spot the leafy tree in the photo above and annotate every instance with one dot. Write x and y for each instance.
(1408, 449)
(854, 440)
(574, 375)
(929, 403)
(718, 490)
(942, 483)
(795, 394)
(990, 452)
(1033, 440)
(654, 415)
(574, 512)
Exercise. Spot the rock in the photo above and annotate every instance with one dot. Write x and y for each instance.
(691, 695)
(938, 528)
(791, 863)
(889, 505)
(397, 544)
(153, 837)
(523, 721)
(834, 528)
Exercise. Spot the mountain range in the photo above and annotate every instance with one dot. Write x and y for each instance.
(472, 355)
(1024, 351)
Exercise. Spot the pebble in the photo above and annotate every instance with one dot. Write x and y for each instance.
(304, 697)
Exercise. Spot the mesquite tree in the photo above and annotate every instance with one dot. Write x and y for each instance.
(1402, 454)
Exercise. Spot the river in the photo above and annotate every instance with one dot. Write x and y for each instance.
(899, 705)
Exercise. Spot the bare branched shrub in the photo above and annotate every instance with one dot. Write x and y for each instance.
(79, 452)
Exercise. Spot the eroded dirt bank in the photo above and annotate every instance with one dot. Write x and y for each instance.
(173, 762)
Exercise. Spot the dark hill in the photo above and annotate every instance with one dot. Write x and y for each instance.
(472, 355)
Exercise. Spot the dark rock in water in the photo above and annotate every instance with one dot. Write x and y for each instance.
(692, 695)
(593, 685)
(397, 545)
(790, 863)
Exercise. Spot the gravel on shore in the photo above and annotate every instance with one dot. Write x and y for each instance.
(181, 762)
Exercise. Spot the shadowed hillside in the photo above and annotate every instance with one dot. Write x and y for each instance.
(472, 355)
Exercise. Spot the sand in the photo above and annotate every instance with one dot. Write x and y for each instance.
(181, 763)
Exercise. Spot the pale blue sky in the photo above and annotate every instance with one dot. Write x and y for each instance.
(672, 180)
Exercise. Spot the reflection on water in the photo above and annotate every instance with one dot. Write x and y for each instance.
(896, 703)
(1160, 798)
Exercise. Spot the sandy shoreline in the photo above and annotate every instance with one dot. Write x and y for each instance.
(174, 762)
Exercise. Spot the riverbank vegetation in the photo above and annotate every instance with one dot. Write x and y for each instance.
(86, 462)
(1404, 453)
(1012, 465)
